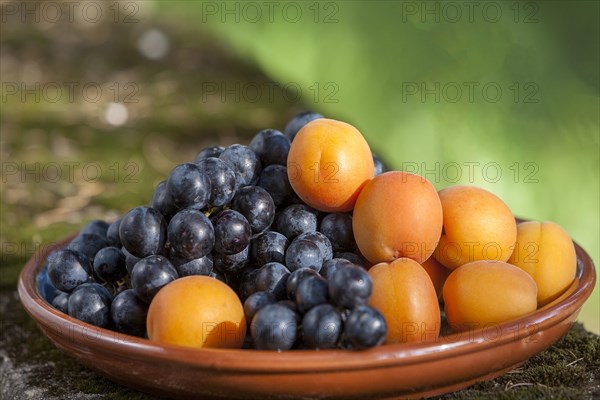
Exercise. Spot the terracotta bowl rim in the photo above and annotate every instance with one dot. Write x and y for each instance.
(305, 361)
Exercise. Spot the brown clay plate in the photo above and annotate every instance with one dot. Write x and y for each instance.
(405, 370)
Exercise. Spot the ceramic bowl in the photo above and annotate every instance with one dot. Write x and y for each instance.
(402, 370)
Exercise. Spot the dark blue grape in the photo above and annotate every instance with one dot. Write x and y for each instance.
(269, 247)
(189, 186)
(350, 286)
(338, 229)
(292, 306)
(232, 263)
(162, 201)
(256, 301)
(380, 167)
(245, 162)
(295, 199)
(330, 266)
(353, 258)
(232, 279)
(129, 313)
(272, 277)
(247, 283)
(213, 151)
(112, 234)
(90, 303)
(296, 123)
(303, 254)
(274, 179)
(296, 219)
(311, 291)
(143, 232)
(109, 264)
(61, 302)
(322, 327)
(365, 327)
(130, 260)
(254, 203)
(68, 269)
(150, 274)
(295, 278)
(50, 257)
(197, 266)
(218, 275)
(44, 286)
(271, 146)
(232, 232)
(274, 327)
(191, 234)
(97, 227)
(222, 180)
(321, 241)
(88, 244)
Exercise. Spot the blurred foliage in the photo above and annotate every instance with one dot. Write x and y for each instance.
(376, 64)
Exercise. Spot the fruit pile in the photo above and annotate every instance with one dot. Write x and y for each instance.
(302, 240)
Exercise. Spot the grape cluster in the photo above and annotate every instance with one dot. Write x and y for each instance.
(230, 214)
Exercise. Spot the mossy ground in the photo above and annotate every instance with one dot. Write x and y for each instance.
(568, 370)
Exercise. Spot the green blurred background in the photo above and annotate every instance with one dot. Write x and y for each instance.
(502, 94)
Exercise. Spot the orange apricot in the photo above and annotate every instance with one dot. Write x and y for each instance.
(404, 294)
(197, 311)
(438, 274)
(397, 214)
(546, 252)
(478, 225)
(328, 164)
(485, 293)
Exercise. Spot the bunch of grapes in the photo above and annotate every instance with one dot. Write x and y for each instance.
(230, 214)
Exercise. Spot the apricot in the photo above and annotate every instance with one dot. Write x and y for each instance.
(404, 294)
(438, 274)
(546, 252)
(397, 214)
(197, 311)
(328, 164)
(484, 293)
(477, 226)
